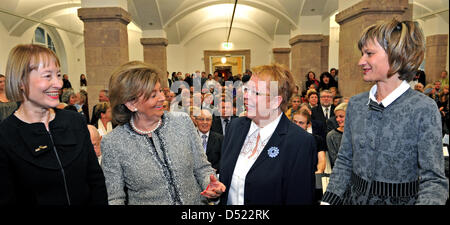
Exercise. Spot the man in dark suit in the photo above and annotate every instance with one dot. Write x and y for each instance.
(220, 123)
(267, 159)
(325, 110)
(211, 141)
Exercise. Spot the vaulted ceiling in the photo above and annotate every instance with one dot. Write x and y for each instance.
(183, 20)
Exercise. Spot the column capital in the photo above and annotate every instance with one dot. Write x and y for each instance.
(104, 14)
(306, 38)
(154, 41)
(281, 50)
(372, 7)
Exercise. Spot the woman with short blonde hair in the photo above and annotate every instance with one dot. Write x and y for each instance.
(282, 75)
(391, 150)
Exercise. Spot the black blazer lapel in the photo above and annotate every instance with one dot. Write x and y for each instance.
(241, 133)
(274, 141)
(230, 155)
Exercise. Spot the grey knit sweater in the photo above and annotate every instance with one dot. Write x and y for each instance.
(129, 160)
(334, 138)
(401, 144)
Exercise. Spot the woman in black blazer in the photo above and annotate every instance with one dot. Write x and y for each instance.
(266, 159)
(46, 156)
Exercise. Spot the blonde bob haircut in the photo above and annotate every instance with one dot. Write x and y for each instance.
(342, 106)
(22, 60)
(279, 73)
(128, 83)
(403, 42)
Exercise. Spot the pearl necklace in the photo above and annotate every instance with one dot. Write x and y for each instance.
(141, 131)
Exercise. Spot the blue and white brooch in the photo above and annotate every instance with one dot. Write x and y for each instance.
(273, 152)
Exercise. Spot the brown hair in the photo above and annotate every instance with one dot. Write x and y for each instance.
(403, 42)
(279, 73)
(129, 82)
(304, 113)
(22, 60)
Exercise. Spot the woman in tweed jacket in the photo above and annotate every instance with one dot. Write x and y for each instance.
(152, 157)
(391, 150)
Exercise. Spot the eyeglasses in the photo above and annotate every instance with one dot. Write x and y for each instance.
(252, 92)
(324, 96)
(204, 119)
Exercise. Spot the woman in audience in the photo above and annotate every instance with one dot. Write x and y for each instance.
(295, 101)
(46, 155)
(313, 98)
(69, 98)
(391, 150)
(152, 157)
(419, 87)
(334, 136)
(103, 112)
(83, 81)
(6, 107)
(311, 79)
(326, 81)
(3, 97)
(302, 118)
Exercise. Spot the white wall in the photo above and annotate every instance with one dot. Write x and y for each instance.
(189, 57)
(135, 48)
(8, 42)
(74, 54)
(176, 60)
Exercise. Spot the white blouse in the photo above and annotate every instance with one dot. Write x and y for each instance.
(102, 130)
(245, 162)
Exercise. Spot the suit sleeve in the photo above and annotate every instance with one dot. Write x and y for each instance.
(300, 185)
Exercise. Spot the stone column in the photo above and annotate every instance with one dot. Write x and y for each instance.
(106, 45)
(435, 56)
(306, 55)
(352, 22)
(324, 48)
(155, 52)
(281, 56)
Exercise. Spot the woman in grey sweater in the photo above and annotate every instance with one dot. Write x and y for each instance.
(153, 157)
(391, 150)
(334, 136)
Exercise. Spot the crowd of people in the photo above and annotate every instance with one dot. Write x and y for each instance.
(246, 139)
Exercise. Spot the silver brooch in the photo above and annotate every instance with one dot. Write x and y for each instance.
(273, 152)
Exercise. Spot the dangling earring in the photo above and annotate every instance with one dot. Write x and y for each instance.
(135, 110)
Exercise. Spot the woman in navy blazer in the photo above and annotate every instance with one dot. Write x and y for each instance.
(283, 170)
